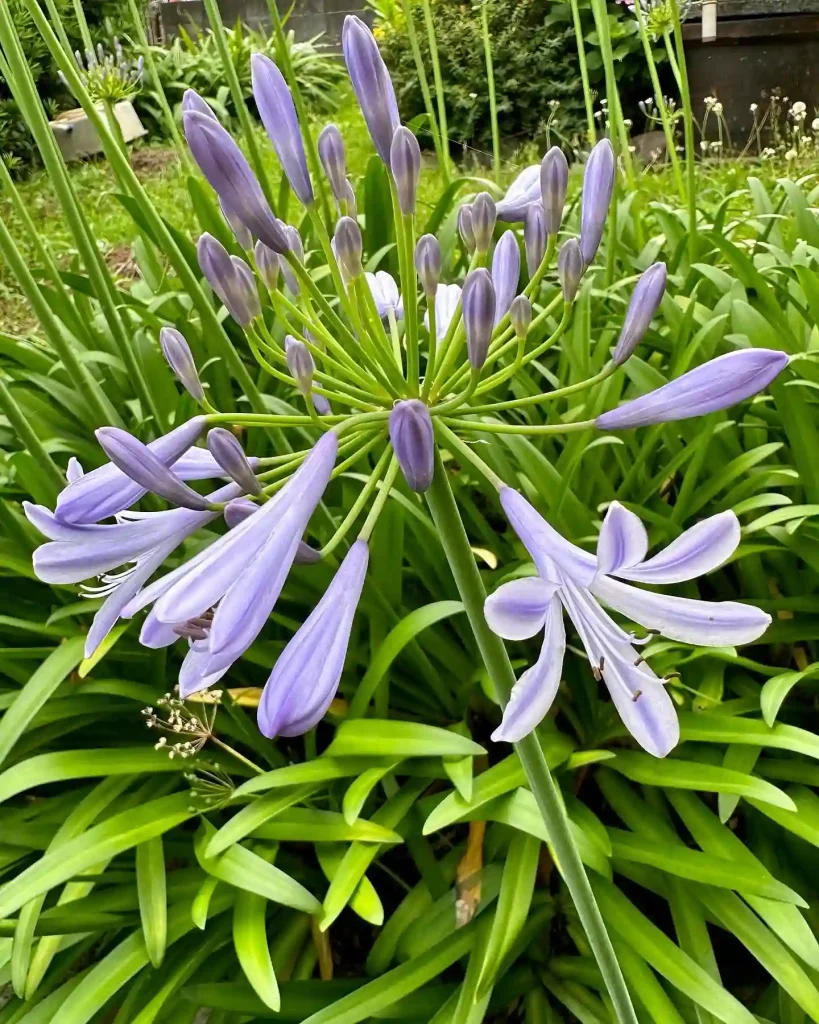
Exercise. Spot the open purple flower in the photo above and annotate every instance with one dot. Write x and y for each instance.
(446, 304)
(103, 492)
(523, 191)
(385, 294)
(305, 678)
(240, 576)
(577, 581)
(141, 540)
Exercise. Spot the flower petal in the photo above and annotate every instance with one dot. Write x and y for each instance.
(533, 694)
(518, 609)
(697, 551)
(704, 623)
(540, 539)
(643, 703)
(623, 541)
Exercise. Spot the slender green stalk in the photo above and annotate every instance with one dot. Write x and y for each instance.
(59, 28)
(584, 72)
(362, 499)
(85, 34)
(688, 121)
(443, 128)
(21, 426)
(153, 72)
(248, 131)
(423, 81)
(431, 351)
(668, 129)
(490, 85)
(409, 290)
(470, 586)
(188, 279)
(615, 112)
(548, 396)
(526, 429)
(25, 92)
(384, 489)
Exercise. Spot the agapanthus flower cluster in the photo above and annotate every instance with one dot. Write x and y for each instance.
(386, 370)
(109, 75)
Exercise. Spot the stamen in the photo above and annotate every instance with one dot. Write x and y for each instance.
(636, 696)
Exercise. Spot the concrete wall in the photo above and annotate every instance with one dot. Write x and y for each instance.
(308, 18)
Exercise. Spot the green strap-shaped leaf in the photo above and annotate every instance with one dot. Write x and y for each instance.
(38, 689)
(358, 790)
(255, 814)
(739, 759)
(365, 901)
(151, 889)
(323, 769)
(702, 727)
(395, 739)
(246, 870)
(309, 825)
(777, 689)
(252, 950)
(501, 778)
(678, 774)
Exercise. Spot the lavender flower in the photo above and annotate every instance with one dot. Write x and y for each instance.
(300, 363)
(228, 452)
(236, 511)
(413, 442)
(268, 264)
(137, 461)
(598, 186)
(505, 273)
(229, 174)
(349, 246)
(385, 294)
(80, 552)
(242, 573)
(554, 180)
(240, 232)
(347, 201)
(230, 277)
(523, 191)
(305, 678)
(534, 237)
(478, 301)
(331, 154)
(465, 227)
(570, 268)
(447, 299)
(645, 301)
(278, 114)
(106, 491)
(428, 264)
(405, 163)
(484, 217)
(179, 357)
(371, 83)
(192, 102)
(573, 579)
(715, 385)
(296, 247)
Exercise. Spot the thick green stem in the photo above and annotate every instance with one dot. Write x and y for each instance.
(688, 121)
(470, 586)
(423, 81)
(584, 72)
(446, 168)
(490, 85)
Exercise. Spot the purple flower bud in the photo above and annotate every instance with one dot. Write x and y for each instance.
(428, 264)
(717, 384)
(523, 191)
(505, 273)
(278, 114)
(478, 303)
(305, 678)
(570, 268)
(268, 264)
(465, 227)
(598, 186)
(300, 363)
(645, 301)
(534, 237)
(554, 180)
(331, 154)
(193, 102)
(321, 404)
(520, 314)
(229, 174)
(240, 232)
(348, 198)
(413, 441)
(405, 163)
(295, 246)
(228, 452)
(484, 216)
(137, 461)
(178, 354)
(230, 277)
(371, 83)
(349, 246)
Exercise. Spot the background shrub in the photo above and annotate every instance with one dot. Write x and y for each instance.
(535, 61)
